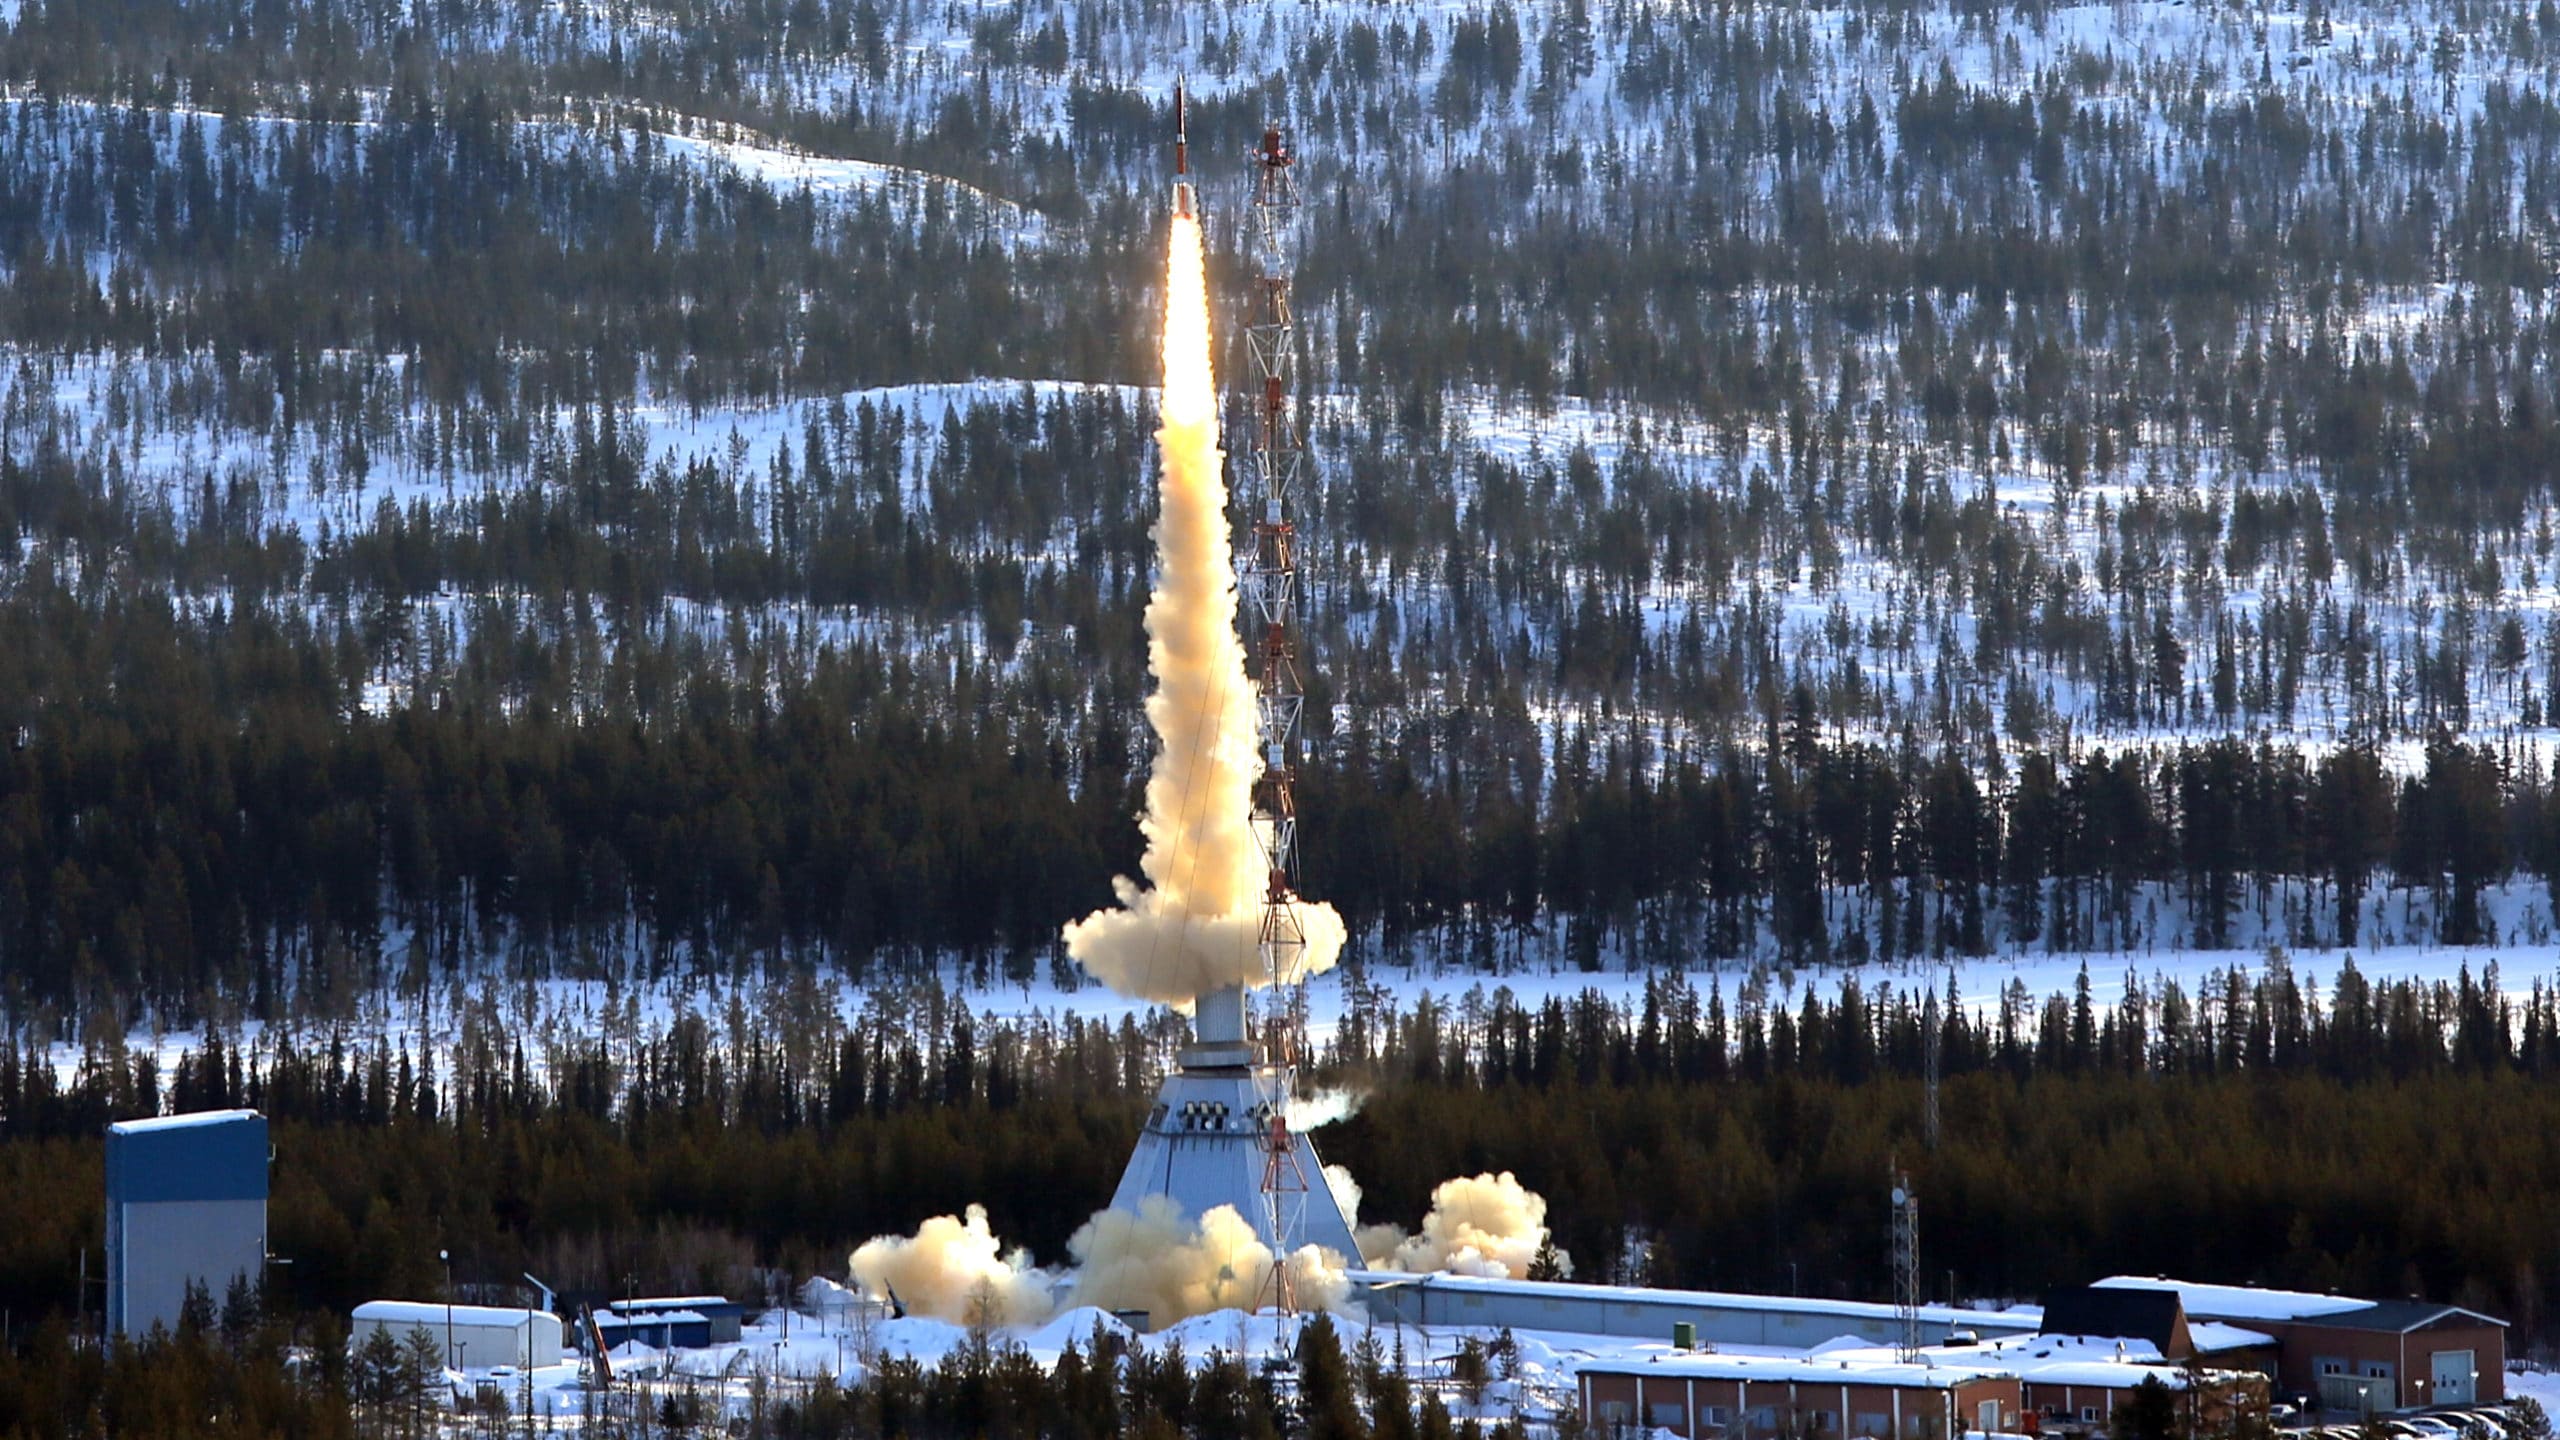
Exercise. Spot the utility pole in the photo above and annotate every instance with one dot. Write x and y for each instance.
(1906, 1263)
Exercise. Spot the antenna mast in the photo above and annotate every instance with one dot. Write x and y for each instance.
(1906, 1262)
(1270, 584)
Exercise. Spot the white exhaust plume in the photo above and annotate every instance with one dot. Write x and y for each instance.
(1325, 1107)
(955, 1269)
(1195, 925)
(1488, 1225)
(1158, 1260)
(1173, 1267)
(1346, 1191)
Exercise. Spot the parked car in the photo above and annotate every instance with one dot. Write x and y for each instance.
(2431, 1427)
(2468, 1421)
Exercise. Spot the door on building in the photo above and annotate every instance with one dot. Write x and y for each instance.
(2452, 1382)
(1987, 1417)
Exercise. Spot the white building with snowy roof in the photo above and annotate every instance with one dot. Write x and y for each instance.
(473, 1337)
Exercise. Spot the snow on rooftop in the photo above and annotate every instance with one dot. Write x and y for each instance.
(2238, 1302)
(1863, 1368)
(671, 1302)
(2097, 1361)
(1702, 1299)
(190, 1121)
(2026, 1349)
(2213, 1335)
(435, 1312)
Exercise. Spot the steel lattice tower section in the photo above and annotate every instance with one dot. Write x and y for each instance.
(1906, 1264)
(1270, 583)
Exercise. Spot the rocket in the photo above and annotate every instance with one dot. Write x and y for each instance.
(1184, 201)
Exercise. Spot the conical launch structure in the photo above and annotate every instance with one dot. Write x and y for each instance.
(1208, 1140)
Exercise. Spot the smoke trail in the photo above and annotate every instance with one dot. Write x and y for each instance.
(1488, 1225)
(1194, 926)
(954, 1269)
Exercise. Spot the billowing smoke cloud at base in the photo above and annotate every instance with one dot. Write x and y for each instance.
(953, 1268)
(1160, 1260)
(1172, 1266)
(1489, 1225)
(1196, 924)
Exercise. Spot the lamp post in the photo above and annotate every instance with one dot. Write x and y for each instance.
(447, 1257)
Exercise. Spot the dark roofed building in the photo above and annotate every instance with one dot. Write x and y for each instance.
(2398, 1355)
(2399, 1317)
(2352, 1355)
(2153, 1316)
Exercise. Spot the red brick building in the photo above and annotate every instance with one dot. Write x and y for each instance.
(2359, 1356)
(2395, 1355)
(1756, 1397)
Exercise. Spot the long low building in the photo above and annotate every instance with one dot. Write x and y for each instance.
(2072, 1384)
(1759, 1397)
(2050, 1385)
(1715, 1317)
(473, 1337)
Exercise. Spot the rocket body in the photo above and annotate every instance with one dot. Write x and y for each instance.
(1185, 202)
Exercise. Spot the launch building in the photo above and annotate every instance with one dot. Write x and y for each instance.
(1208, 1140)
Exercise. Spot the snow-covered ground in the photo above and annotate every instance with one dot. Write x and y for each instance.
(776, 1355)
(779, 1354)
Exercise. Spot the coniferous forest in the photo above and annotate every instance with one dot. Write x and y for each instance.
(649, 501)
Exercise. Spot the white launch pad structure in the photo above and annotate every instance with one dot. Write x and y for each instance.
(1207, 1141)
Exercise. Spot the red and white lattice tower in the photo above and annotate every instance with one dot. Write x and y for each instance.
(1270, 584)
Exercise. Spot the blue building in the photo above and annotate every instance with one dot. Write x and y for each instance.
(682, 1322)
(186, 1205)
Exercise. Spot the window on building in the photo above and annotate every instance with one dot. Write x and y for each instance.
(2332, 1366)
(1670, 1415)
(1872, 1426)
(2377, 1370)
(1764, 1417)
(1712, 1415)
(2089, 1414)
(1821, 1422)
(1614, 1411)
